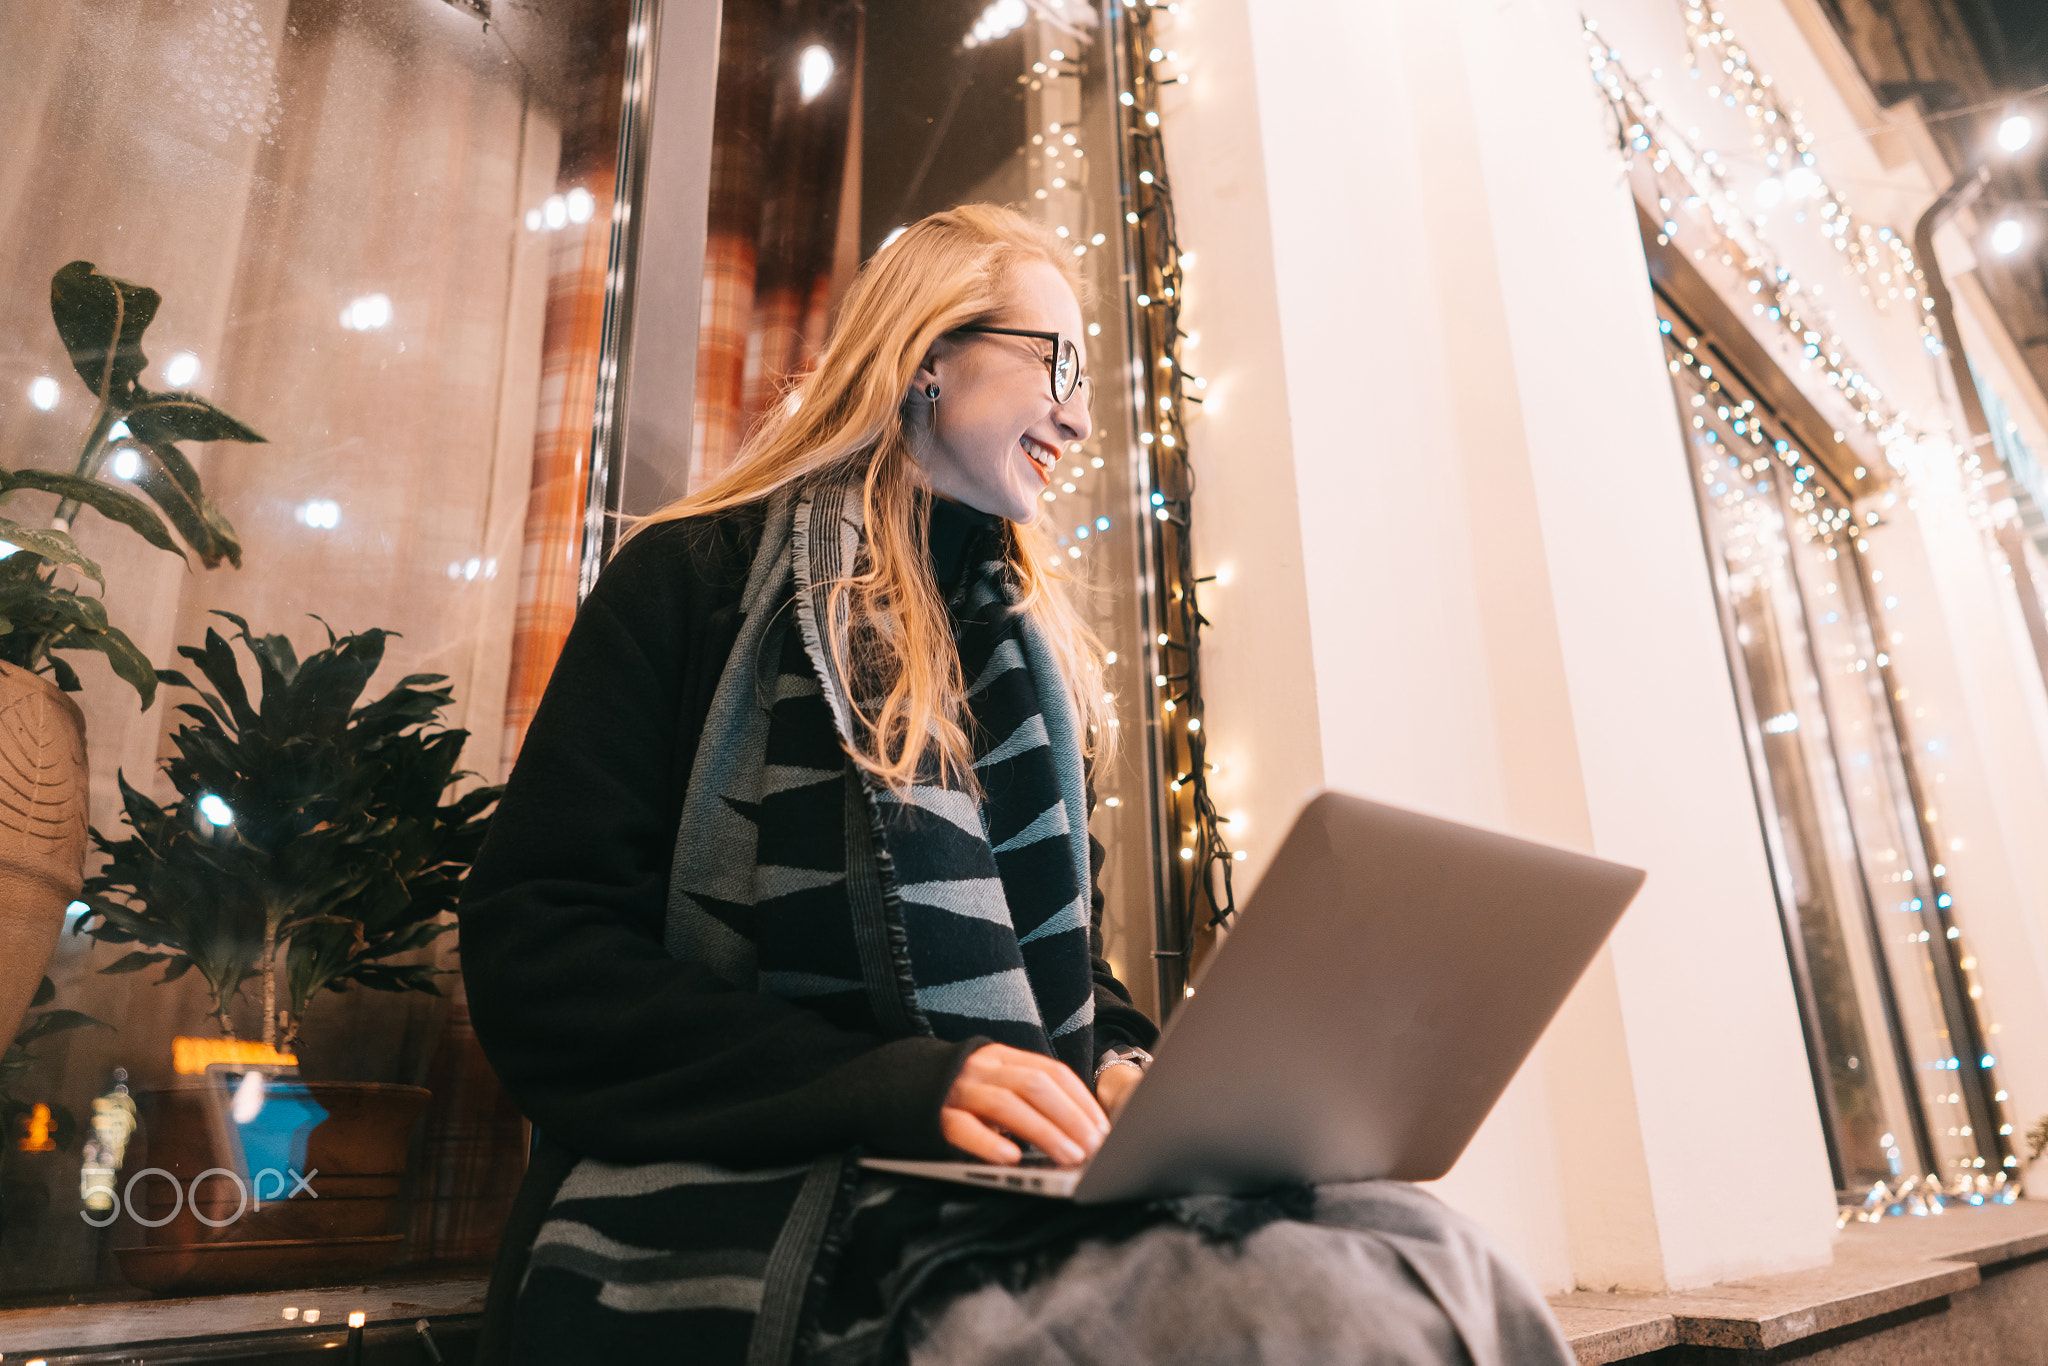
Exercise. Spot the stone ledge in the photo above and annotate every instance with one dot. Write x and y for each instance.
(1878, 1269)
(1601, 1335)
(133, 1323)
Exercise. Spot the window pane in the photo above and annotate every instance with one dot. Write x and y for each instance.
(379, 236)
(1885, 1009)
(917, 107)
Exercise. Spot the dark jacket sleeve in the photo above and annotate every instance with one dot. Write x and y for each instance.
(608, 1044)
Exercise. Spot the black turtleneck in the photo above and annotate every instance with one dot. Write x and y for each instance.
(960, 538)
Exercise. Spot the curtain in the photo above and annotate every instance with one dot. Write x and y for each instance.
(774, 259)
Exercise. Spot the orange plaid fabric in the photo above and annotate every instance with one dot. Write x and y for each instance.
(570, 342)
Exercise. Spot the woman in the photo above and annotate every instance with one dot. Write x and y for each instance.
(795, 865)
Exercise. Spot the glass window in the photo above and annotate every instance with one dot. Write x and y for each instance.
(1887, 994)
(375, 240)
(2020, 461)
(883, 113)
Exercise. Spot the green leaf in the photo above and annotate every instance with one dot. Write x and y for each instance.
(101, 321)
(67, 677)
(55, 546)
(105, 499)
(131, 666)
(134, 962)
(164, 418)
(56, 1022)
(214, 704)
(217, 661)
(173, 485)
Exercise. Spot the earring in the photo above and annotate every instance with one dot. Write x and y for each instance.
(931, 391)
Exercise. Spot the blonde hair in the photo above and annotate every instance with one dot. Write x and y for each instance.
(888, 628)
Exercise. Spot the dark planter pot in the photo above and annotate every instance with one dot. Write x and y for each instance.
(299, 1191)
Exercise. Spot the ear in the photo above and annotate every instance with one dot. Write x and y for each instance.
(926, 376)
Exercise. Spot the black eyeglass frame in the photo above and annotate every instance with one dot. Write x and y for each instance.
(1060, 344)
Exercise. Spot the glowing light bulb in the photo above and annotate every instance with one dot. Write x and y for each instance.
(367, 313)
(2015, 131)
(814, 72)
(215, 811)
(43, 392)
(181, 369)
(2007, 236)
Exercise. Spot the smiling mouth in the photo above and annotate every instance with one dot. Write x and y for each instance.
(1042, 455)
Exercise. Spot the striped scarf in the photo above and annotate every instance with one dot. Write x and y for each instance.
(916, 912)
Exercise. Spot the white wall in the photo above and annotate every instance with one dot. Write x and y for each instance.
(1500, 581)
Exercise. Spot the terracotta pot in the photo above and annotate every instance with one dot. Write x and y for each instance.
(42, 830)
(338, 1150)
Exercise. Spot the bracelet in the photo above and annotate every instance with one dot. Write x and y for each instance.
(1123, 1057)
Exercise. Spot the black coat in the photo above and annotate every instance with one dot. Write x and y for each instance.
(615, 1050)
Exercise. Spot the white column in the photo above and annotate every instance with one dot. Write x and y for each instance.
(1507, 610)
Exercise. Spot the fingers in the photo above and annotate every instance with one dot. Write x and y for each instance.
(1001, 1106)
(971, 1136)
(1051, 1084)
(1036, 1098)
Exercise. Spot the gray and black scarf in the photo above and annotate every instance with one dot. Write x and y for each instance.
(925, 911)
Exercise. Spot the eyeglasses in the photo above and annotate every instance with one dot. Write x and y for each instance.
(1062, 367)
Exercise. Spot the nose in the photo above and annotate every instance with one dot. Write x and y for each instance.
(1072, 416)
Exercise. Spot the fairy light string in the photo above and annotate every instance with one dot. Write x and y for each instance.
(1690, 187)
(1781, 137)
(1198, 872)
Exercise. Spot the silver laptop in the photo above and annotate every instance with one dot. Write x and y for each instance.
(1375, 997)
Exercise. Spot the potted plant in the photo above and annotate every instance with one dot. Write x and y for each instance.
(309, 848)
(101, 321)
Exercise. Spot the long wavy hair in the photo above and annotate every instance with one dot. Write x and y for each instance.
(852, 412)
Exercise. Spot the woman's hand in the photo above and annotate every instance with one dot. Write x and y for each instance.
(1005, 1092)
(1113, 1088)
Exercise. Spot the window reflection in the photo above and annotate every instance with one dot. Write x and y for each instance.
(380, 233)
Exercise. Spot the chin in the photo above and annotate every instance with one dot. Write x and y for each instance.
(1011, 504)
(1020, 509)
